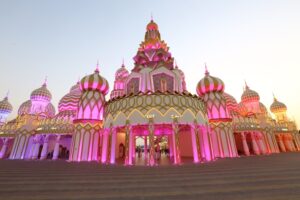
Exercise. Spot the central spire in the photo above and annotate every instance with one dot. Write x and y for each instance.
(153, 52)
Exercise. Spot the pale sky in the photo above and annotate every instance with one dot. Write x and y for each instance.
(255, 40)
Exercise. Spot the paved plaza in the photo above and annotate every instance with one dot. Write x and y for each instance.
(257, 177)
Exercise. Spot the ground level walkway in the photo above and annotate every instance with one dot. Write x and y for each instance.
(256, 177)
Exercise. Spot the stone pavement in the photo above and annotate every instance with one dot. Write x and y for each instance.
(257, 177)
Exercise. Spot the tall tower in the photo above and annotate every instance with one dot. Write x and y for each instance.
(88, 123)
(119, 84)
(211, 90)
(5, 109)
(153, 52)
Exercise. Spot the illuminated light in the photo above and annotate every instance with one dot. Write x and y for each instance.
(150, 116)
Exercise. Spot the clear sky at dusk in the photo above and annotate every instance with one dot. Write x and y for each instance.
(257, 41)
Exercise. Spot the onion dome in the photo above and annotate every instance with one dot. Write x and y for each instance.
(242, 109)
(25, 108)
(231, 103)
(5, 106)
(209, 84)
(263, 108)
(152, 26)
(50, 110)
(70, 100)
(94, 82)
(121, 72)
(249, 95)
(41, 94)
(278, 106)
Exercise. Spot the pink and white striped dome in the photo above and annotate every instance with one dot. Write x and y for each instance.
(231, 103)
(70, 101)
(94, 82)
(122, 72)
(209, 84)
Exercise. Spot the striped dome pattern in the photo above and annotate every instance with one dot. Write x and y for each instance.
(5, 106)
(69, 102)
(277, 106)
(41, 94)
(249, 95)
(94, 82)
(25, 108)
(209, 84)
(231, 103)
(121, 72)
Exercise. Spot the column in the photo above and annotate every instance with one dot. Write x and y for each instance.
(266, 139)
(31, 150)
(104, 146)
(254, 144)
(175, 139)
(245, 145)
(130, 147)
(127, 132)
(194, 143)
(56, 148)
(4, 147)
(170, 143)
(261, 145)
(36, 149)
(113, 146)
(45, 148)
(207, 143)
(145, 148)
(151, 160)
(133, 146)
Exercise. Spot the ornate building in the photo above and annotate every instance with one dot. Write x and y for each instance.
(150, 104)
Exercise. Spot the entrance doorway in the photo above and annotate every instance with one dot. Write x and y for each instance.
(161, 151)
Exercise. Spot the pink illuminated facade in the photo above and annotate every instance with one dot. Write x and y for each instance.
(149, 117)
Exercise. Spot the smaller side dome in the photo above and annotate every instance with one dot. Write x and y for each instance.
(122, 72)
(231, 103)
(209, 84)
(41, 94)
(94, 82)
(277, 106)
(70, 100)
(249, 95)
(25, 108)
(5, 106)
